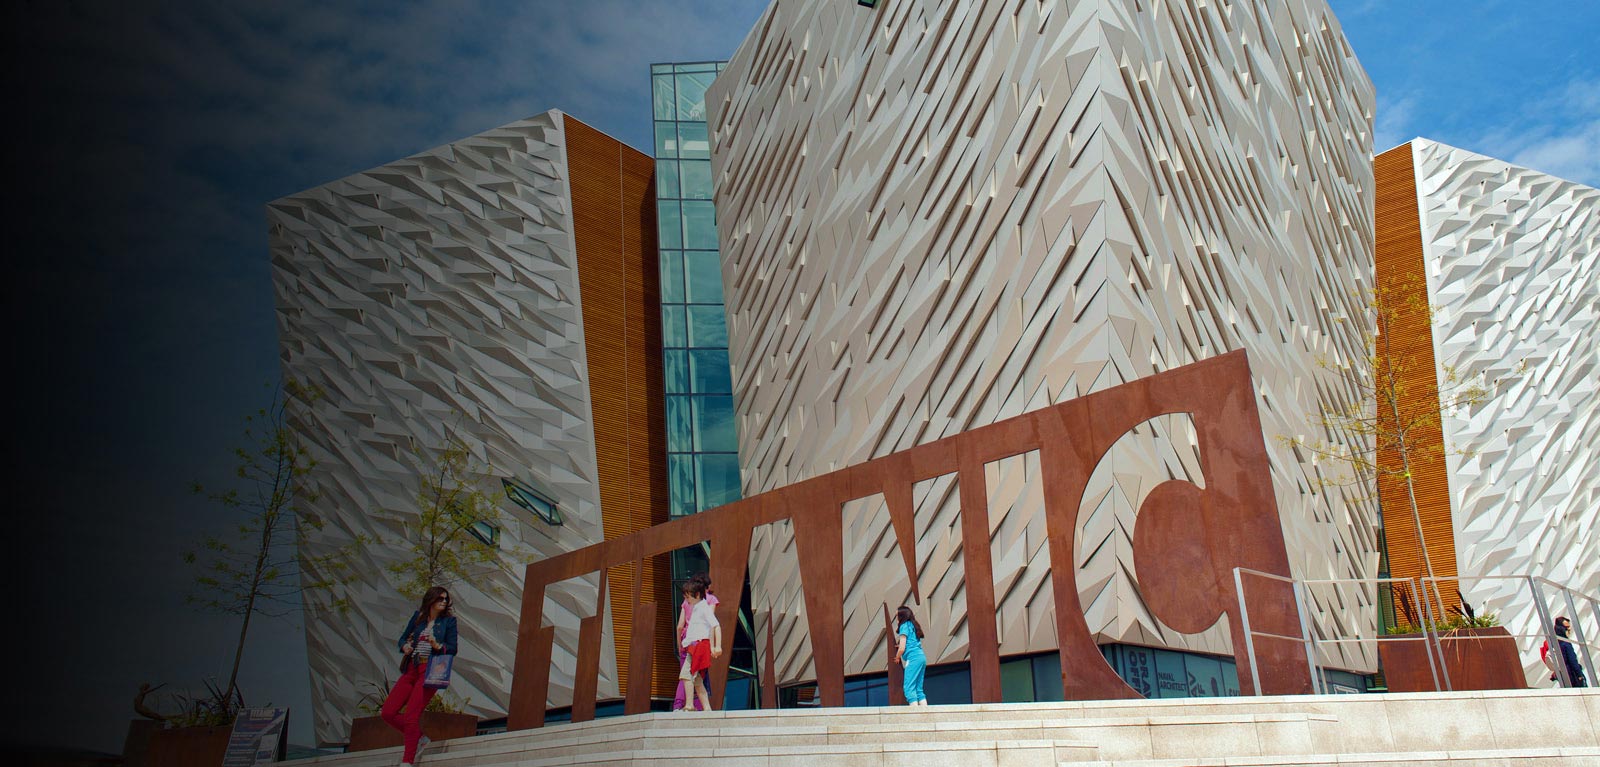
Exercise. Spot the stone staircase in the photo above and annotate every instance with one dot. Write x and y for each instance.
(1469, 729)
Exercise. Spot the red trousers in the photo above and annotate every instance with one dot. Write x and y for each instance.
(403, 708)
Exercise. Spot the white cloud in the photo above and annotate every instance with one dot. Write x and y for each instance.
(1556, 133)
(1393, 122)
(1572, 155)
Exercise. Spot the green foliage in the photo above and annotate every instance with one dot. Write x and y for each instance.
(451, 500)
(217, 708)
(1450, 623)
(260, 567)
(447, 703)
(372, 696)
(371, 701)
(1379, 430)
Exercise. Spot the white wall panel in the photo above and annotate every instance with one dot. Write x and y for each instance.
(1513, 269)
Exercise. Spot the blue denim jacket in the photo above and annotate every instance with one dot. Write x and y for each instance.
(444, 632)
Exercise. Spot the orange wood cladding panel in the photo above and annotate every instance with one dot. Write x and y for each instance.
(614, 227)
(1399, 267)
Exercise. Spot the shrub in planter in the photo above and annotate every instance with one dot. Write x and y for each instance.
(1478, 654)
(443, 719)
(197, 736)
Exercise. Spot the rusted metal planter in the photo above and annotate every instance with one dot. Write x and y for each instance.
(370, 732)
(1476, 659)
(188, 746)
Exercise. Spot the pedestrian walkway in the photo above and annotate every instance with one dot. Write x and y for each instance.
(1475, 729)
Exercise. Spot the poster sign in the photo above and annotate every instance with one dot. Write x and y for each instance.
(258, 737)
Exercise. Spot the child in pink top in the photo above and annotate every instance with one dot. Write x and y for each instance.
(684, 699)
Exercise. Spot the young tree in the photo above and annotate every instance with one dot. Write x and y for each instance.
(256, 571)
(1394, 413)
(452, 538)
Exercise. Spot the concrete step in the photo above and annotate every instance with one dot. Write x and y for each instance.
(1515, 757)
(1257, 731)
(1111, 738)
(1041, 753)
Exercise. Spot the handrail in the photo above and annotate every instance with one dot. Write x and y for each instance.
(1308, 639)
(1541, 607)
(1425, 593)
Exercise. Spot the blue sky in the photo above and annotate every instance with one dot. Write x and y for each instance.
(151, 139)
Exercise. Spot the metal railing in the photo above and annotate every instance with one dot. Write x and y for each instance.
(1432, 603)
(1541, 604)
(1307, 637)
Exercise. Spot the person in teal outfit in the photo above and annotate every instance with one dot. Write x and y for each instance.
(908, 653)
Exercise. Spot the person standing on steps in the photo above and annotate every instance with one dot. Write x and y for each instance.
(683, 700)
(1569, 654)
(908, 653)
(431, 631)
(702, 641)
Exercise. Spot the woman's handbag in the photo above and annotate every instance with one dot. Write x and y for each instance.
(438, 674)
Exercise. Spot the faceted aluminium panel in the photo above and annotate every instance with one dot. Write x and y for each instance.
(438, 293)
(1513, 268)
(941, 213)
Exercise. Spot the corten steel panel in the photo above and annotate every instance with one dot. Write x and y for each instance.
(897, 671)
(615, 235)
(1194, 537)
(1400, 273)
(1474, 659)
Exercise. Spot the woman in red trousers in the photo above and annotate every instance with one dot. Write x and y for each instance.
(431, 631)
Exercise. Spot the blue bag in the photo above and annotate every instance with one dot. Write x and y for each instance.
(438, 674)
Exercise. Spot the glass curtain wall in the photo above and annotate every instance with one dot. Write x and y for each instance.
(702, 444)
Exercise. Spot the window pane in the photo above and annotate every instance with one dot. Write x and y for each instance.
(672, 327)
(705, 66)
(697, 179)
(678, 428)
(707, 327)
(713, 424)
(692, 95)
(952, 684)
(666, 140)
(676, 362)
(703, 271)
(1016, 681)
(1171, 677)
(671, 277)
(689, 561)
(667, 179)
(1204, 677)
(694, 141)
(670, 225)
(658, 68)
(680, 473)
(1047, 677)
(699, 225)
(710, 371)
(662, 85)
(718, 479)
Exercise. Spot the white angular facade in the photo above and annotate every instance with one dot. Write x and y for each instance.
(942, 213)
(438, 293)
(1512, 261)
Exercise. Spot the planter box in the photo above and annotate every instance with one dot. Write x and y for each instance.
(1477, 659)
(188, 746)
(369, 732)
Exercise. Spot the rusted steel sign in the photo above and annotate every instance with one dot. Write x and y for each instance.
(1186, 543)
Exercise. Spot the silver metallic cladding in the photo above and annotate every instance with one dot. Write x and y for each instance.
(433, 293)
(936, 215)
